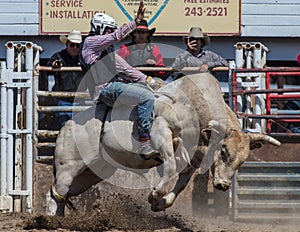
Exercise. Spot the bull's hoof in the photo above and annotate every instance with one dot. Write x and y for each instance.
(158, 207)
(155, 196)
(155, 209)
(165, 203)
(151, 198)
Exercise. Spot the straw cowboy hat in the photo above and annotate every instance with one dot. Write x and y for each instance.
(143, 26)
(74, 37)
(196, 32)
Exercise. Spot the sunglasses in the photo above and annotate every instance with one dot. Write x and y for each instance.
(142, 32)
(193, 39)
(72, 45)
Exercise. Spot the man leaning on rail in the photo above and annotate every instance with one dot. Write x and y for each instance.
(195, 55)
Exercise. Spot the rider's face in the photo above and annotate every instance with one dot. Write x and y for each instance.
(108, 30)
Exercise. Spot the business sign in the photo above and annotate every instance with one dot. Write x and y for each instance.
(215, 17)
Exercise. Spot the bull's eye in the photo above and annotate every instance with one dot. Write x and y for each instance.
(223, 151)
(224, 154)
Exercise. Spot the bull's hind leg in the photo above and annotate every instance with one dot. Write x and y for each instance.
(77, 149)
(53, 205)
(57, 196)
(67, 165)
(72, 180)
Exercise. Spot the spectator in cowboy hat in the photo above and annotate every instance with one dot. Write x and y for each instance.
(70, 81)
(141, 52)
(195, 55)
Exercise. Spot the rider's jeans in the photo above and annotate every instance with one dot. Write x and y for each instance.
(130, 94)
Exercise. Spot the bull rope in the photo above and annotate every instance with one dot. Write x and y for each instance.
(157, 94)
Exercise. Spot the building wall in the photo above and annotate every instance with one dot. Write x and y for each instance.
(271, 18)
(275, 23)
(19, 17)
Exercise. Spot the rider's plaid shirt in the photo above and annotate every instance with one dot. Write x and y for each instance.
(94, 45)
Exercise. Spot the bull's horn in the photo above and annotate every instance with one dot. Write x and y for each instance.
(213, 124)
(216, 126)
(266, 138)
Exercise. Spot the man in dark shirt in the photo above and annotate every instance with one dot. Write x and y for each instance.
(67, 81)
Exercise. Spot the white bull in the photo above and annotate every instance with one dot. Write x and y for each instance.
(193, 127)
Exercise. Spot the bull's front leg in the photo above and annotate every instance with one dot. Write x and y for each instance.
(163, 140)
(183, 180)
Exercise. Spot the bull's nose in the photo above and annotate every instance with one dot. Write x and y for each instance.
(222, 186)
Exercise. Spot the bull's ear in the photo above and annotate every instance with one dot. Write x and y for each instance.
(216, 127)
(206, 133)
(213, 126)
(256, 140)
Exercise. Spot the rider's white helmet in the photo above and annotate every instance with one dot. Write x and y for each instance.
(100, 21)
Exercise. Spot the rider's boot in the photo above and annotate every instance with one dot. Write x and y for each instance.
(146, 150)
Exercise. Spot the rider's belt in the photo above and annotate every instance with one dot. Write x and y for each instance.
(119, 79)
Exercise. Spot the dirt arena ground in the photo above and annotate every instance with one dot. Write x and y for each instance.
(109, 208)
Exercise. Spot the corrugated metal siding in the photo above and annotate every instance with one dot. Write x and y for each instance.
(20, 17)
(271, 18)
(266, 191)
(260, 18)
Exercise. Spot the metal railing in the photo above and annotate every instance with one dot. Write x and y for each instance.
(16, 126)
(51, 134)
(268, 113)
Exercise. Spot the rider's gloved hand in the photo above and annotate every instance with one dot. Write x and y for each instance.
(155, 82)
(140, 13)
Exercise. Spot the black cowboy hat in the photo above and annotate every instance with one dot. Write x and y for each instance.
(143, 26)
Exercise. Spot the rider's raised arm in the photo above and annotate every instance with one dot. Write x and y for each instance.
(94, 45)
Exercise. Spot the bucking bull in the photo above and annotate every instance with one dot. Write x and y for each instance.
(192, 128)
